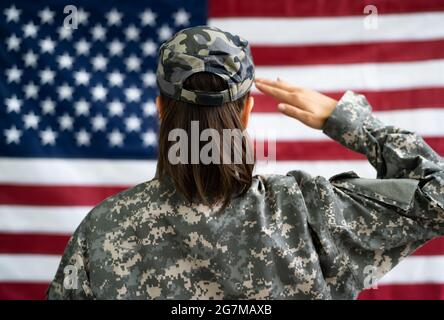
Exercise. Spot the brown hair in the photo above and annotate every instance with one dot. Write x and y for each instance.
(204, 183)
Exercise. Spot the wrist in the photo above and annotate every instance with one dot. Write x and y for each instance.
(347, 119)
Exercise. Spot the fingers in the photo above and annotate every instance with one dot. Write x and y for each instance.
(295, 102)
(299, 114)
(282, 95)
(278, 94)
(280, 84)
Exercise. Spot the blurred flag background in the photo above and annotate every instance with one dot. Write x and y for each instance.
(78, 120)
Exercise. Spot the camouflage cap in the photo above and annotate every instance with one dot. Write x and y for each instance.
(205, 49)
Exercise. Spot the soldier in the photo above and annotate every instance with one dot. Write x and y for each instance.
(215, 231)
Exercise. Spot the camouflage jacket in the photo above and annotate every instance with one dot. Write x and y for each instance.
(291, 236)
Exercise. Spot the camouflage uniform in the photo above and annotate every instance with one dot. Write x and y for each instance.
(291, 236)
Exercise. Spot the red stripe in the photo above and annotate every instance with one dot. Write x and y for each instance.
(380, 100)
(27, 243)
(434, 247)
(404, 292)
(348, 53)
(330, 150)
(310, 8)
(312, 150)
(42, 195)
(22, 290)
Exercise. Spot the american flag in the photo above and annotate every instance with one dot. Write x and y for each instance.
(78, 120)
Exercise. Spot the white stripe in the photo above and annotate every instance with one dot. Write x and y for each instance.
(53, 171)
(324, 168)
(415, 270)
(360, 76)
(56, 220)
(28, 268)
(288, 129)
(299, 31)
(75, 171)
(35, 268)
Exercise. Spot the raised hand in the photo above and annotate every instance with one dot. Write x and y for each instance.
(308, 106)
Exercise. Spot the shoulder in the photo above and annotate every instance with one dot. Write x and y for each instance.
(120, 208)
(280, 180)
(305, 186)
(290, 183)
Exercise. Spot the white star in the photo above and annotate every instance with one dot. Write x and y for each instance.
(149, 48)
(30, 59)
(99, 62)
(82, 77)
(149, 108)
(46, 16)
(48, 136)
(83, 138)
(98, 123)
(115, 78)
(115, 108)
(13, 43)
(12, 14)
(82, 16)
(47, 45)
(82, 107)
(31, 120)
(115, 138)
(98, 32)
(132, 33)
(31, 91)
(181, 18)
(114, 17)
(99, 92)
(30, 30)
(148, 18)
(82, 47)
(132, 63)
(12, 135)
(115, 48)
(149, 79)
(13, 74)
(164, 32)
(132, 123)
(65, 92)
(47, 76)
(65, 61)
(66, 122)
(48, 106)
(13, 104)
(149, 138)
(132, 94)
(65, 33)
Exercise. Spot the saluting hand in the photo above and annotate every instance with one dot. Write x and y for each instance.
(308, 106)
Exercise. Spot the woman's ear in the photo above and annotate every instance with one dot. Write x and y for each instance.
(245, 118)
(159, 106)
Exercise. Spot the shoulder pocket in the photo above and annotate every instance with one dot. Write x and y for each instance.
(394, 192)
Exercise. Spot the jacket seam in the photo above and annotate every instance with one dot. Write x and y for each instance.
(338, 252)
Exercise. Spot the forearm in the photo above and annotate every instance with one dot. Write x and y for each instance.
(394, 152)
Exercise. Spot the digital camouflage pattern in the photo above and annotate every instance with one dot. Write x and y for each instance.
(205, 49)
(291, 236)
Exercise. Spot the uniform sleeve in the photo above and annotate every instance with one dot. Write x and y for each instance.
(71, 280)
(362, 227)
